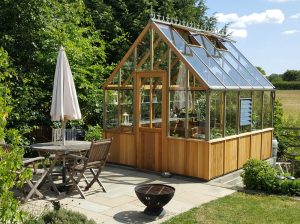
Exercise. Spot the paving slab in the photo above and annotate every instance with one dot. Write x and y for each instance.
(120, 204)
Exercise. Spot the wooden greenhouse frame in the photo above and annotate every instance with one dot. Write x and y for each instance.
(186, 101)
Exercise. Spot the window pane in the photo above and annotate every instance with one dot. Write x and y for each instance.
(156, 102)
(127, 70)
(216, 115)
(161, 55)
(231, 113)
(197, 114)
(177, 114)
(241, 58)
(112, 112)
(199, 66)
(178, 72)
(145, 103)
(256, 110)
(214, 67)
(126, 107)
(240, 68)
(267, 111)
(143, 53)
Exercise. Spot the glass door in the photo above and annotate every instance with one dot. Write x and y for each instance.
(150, 129)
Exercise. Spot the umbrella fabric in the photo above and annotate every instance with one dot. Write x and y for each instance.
(64, 99)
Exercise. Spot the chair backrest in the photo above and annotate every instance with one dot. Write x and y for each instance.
(99, 150)
(70, 134)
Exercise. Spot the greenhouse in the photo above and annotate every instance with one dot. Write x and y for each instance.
(185, 100)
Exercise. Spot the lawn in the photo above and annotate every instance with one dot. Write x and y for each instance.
(244, 208)
(290, 100)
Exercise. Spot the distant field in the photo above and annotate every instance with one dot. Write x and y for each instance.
(290, 100)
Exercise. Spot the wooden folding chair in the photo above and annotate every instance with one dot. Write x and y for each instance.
(27, 162)
(95, 158)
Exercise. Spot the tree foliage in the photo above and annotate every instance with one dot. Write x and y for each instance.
(95, 33)
(12, 172)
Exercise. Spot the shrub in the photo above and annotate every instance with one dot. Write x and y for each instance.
(93, 133)
(62, 216)
(287, 85)
(260, 175)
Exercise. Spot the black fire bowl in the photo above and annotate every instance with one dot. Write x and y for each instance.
(154, 197)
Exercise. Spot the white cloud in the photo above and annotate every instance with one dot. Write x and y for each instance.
(241, 33)
(296, 16)
(290, 32)
(268, 16)
(238, 24)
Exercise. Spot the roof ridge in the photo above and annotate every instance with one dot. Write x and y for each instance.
(196, 27)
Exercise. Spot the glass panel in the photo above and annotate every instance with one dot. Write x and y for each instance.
(178, 73)
(161, 54)
(199, 66)
(156, 102)
(231, 108)
(126, 108)
(112, 112)
(197, 114)
(177, 113)
(216, 114)
(145, 102)
(240, 68)
(205, 74)
(241, 58)
(143, 53)
(267, 110)
(256, 110)
(204, 42)
(244, 126)
(127, 70)
(214, 67)
(225, 65)
(193, 81)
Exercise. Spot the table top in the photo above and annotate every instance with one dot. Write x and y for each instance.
(54, 147)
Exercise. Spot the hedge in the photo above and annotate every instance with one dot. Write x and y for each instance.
(285, 85)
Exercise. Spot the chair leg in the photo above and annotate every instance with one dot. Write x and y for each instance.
(96, 178)
(75, 183)
(34, 187)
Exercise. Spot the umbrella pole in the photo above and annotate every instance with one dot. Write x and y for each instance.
(63, 130)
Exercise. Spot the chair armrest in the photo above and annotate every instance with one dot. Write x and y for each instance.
(77, 156)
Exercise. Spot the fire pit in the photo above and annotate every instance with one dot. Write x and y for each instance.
(155, 197)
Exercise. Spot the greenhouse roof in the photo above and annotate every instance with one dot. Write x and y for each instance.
(213, 57)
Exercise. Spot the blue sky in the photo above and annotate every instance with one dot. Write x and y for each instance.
(267, 31)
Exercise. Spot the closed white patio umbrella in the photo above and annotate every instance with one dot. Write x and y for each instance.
(64, 105)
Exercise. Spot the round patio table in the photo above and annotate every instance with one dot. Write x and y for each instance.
(61, 151)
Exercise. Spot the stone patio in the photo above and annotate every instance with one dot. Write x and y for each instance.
(120, 204)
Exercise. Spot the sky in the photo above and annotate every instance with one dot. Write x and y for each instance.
(267, 32)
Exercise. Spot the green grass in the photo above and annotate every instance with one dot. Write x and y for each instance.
(244, 208)
(290, 100)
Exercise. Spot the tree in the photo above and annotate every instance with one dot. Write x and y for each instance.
(275, 78)
(12, 173)
(121, 21)
(291, 75)
(39, 28)
(260, 69)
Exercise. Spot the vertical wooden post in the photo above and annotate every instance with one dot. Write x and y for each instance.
(186, 124)
(104, 110)
(238, 112)
(119, 100)
(151, 48)
(262, 110)
(168, 93)
(207, 123)
(224, 114)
